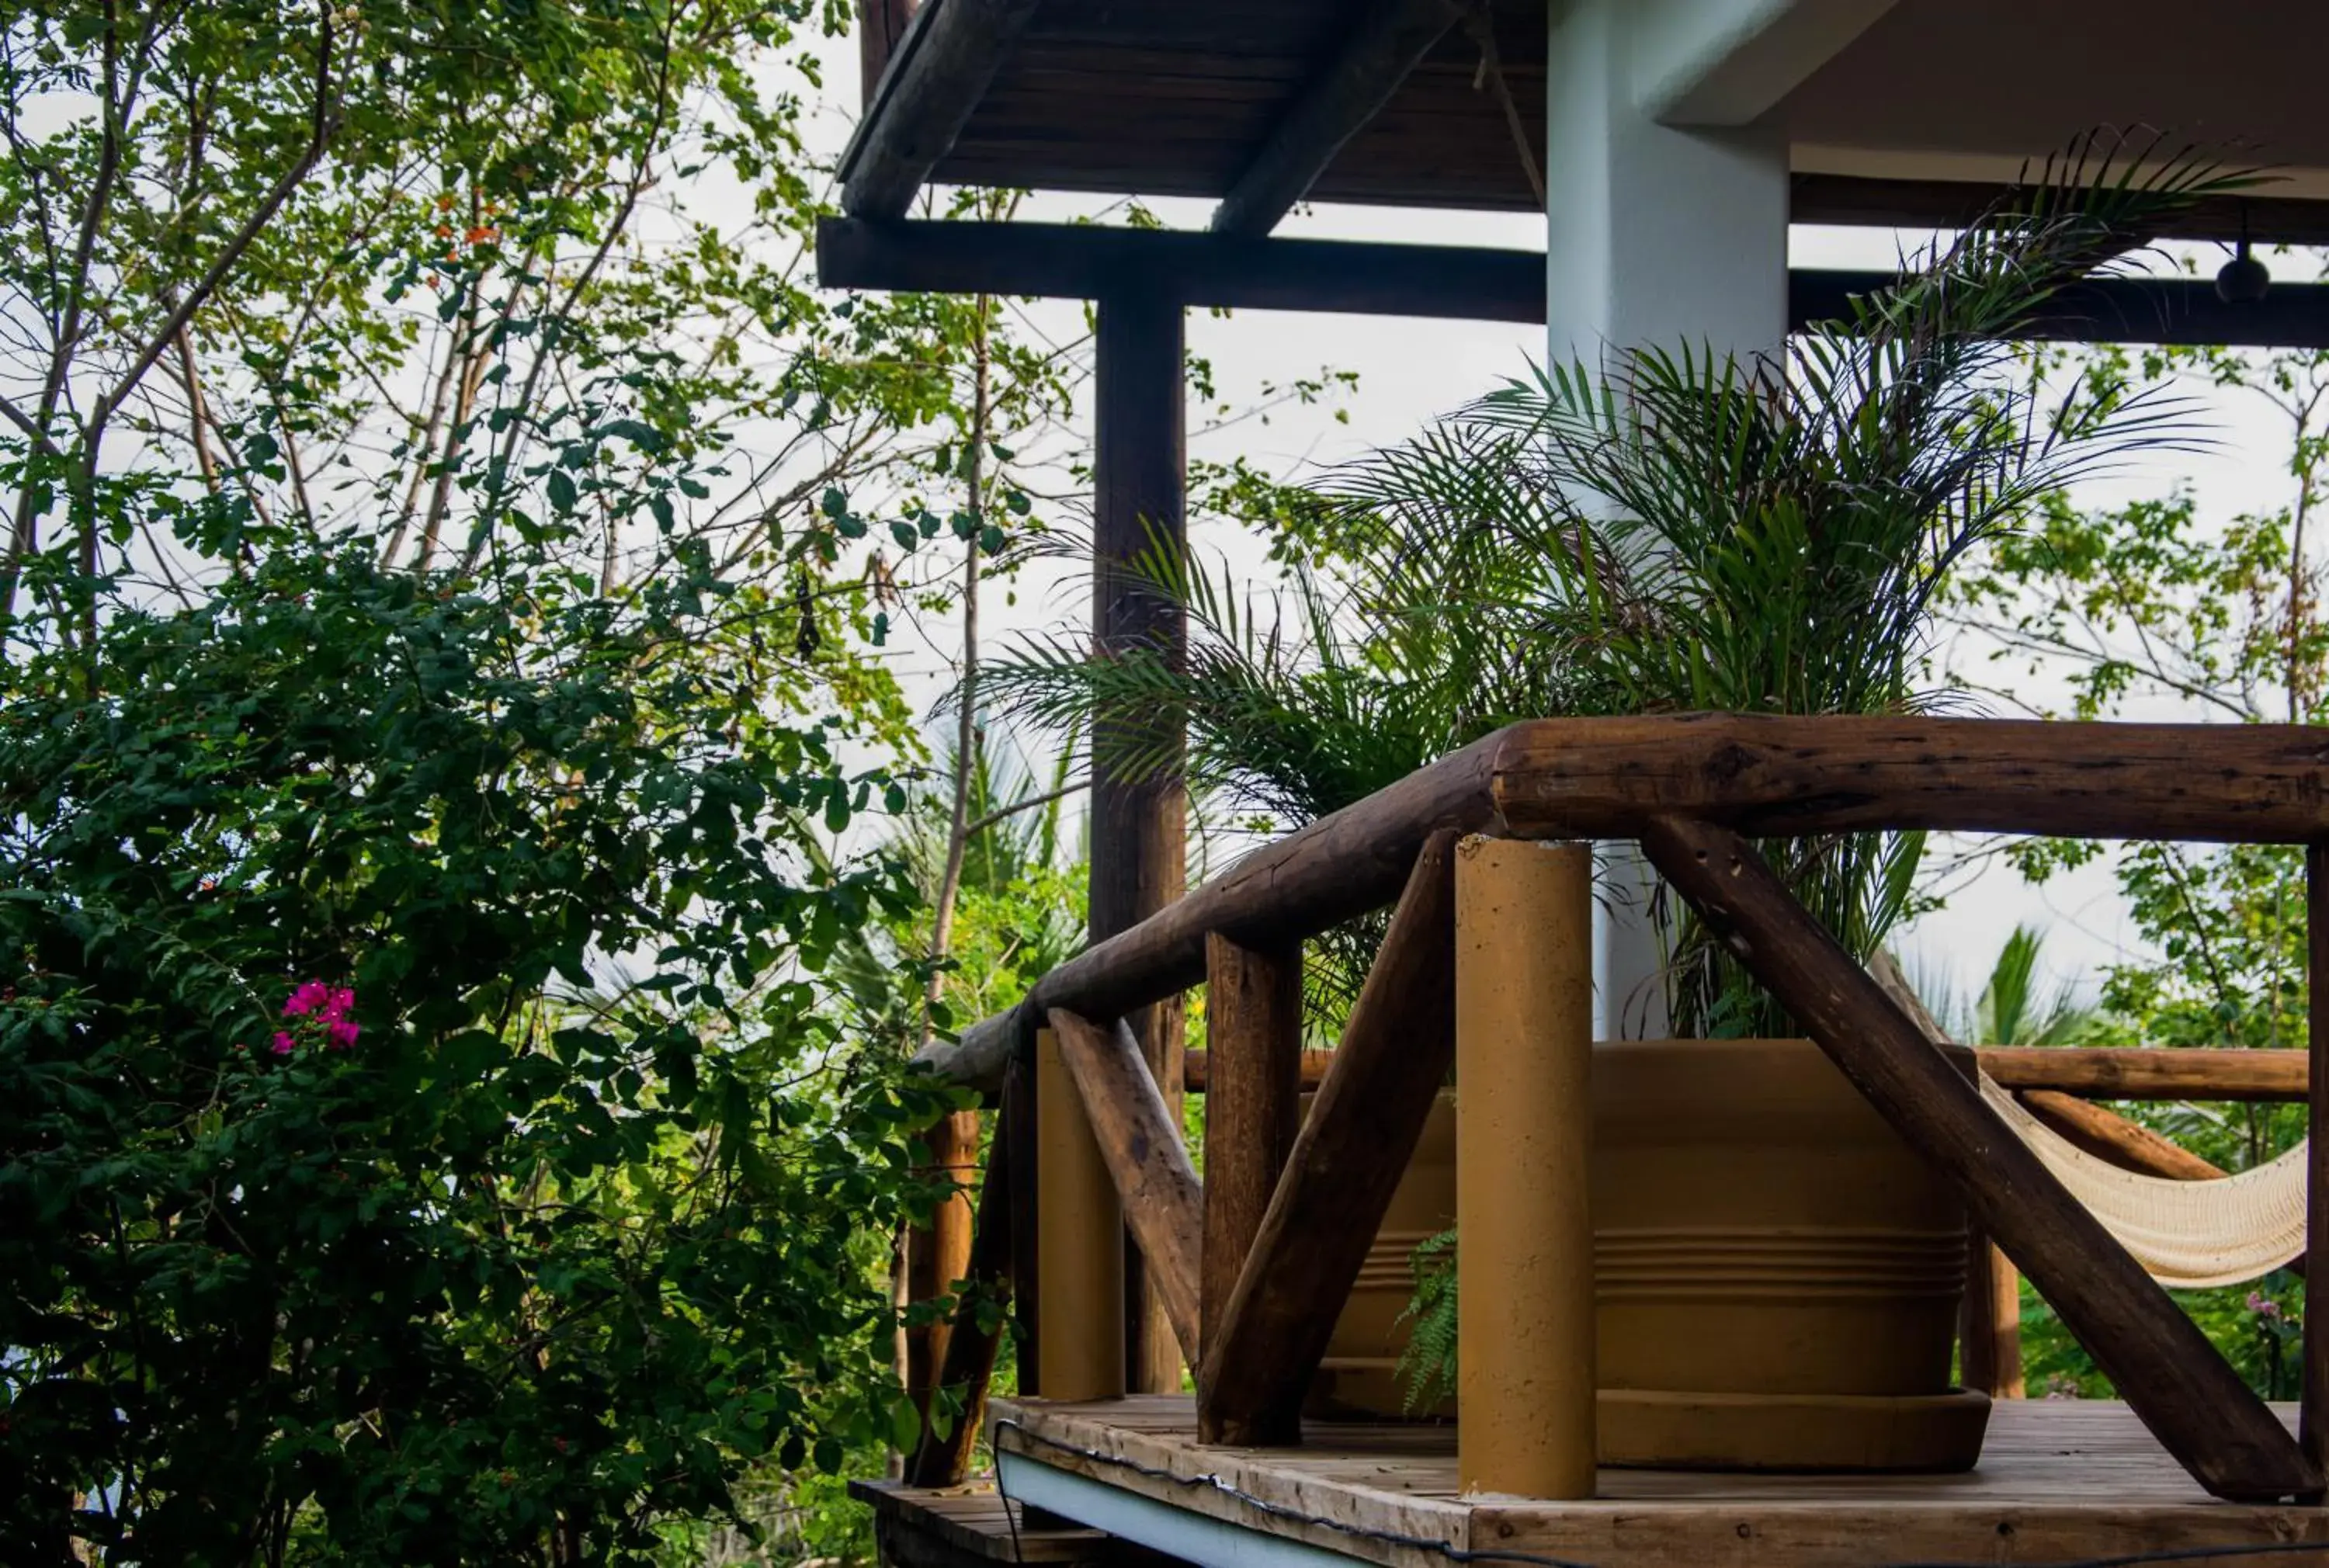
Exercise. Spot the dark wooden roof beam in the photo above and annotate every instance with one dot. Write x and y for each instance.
(1450, 282)
(940, 69)
(1391, 41)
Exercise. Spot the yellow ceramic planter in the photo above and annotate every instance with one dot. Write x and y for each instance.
(1777, 1275)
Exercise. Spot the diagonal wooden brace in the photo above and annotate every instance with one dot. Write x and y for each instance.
(1164, 1205)
(2163, 1366)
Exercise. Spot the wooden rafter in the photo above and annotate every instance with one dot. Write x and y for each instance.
(1362, 1128)
(1389, 42)
(2192, 1401)
(932, 81)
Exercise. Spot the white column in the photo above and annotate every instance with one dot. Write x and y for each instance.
(1656, 235)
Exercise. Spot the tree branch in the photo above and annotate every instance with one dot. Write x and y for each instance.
(324, 124)
(32, 432)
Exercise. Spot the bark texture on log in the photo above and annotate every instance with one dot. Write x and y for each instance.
(1139, 828)
(1197, 1070)
(1253, 1110)
(2107, 1135)
(2148, 1072)
(1341, 866)
(2163, 1366)
(1765, 774)
(1361, 1130)
(1607, 777)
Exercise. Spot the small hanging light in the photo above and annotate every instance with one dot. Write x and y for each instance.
(2243, 279)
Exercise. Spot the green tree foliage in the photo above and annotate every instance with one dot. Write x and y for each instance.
(2160, 608)
(569, 1229)
(449, 552)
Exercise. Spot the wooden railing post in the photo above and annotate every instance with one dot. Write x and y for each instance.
(976, 1334)
(1525, 1382)
(937, 1255)
(2163, 1365)
(1253, 1110)
(1361, 1130)
(1080, 1288)
(1989, 1354)
(2313, 1425)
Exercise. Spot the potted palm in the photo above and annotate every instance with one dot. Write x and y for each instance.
(1672, 531)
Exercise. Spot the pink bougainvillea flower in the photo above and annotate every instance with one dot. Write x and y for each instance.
(336, 1006)
(282, 1043)
(340, 1032)
(309, 996)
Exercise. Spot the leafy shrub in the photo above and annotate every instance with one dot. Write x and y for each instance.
(419, 1139)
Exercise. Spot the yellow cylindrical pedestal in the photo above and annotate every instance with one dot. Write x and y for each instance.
(1080, 1245)
(1524, 1147)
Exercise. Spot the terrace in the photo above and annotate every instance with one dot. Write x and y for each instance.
(1671, 145)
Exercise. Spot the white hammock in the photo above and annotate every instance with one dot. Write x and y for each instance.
(2187, 1234)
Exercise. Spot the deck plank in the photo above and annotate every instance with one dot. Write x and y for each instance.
(970, 1524)
(2060, 1480)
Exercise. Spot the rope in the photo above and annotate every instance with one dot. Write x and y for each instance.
(2188, 1235)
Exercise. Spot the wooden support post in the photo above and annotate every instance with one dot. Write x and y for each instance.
(937, 1256)
(1154, 1183)
(944, 1460)
(1079, 1291)
(2314, 1423)
(1525, 1369)
(1253, 1112)
(2163, 1366)
(1355, 1145)
(1989, 1354)
(1139, 828)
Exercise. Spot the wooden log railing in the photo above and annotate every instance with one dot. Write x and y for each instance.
(1690, 788)
(2090, 1072)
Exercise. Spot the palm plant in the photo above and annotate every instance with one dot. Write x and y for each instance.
(2011, 1009)
(1665, 531)
(1019, 915)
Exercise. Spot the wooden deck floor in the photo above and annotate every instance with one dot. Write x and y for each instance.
(954, 1527)
(2060, 1482)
